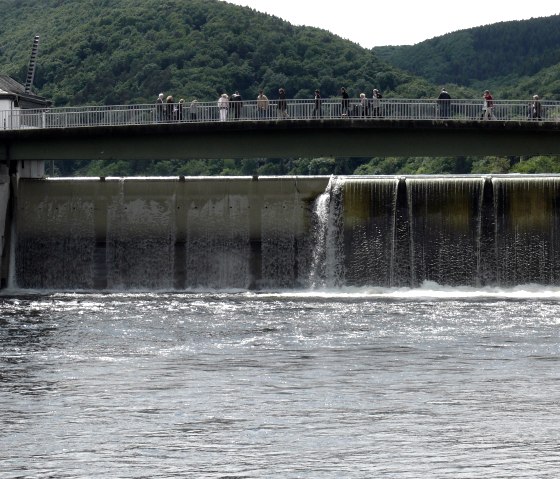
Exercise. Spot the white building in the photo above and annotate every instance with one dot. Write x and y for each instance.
(14, 100)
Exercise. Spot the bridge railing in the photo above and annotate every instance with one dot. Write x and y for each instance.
(295, 109)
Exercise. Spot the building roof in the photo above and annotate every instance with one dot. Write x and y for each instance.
(9, 88)
(9, 85)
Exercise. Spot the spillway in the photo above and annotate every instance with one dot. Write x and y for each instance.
(285, 232)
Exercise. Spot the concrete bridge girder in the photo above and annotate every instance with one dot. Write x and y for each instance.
(282, 139)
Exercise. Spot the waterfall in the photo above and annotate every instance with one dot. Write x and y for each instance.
(328, 249)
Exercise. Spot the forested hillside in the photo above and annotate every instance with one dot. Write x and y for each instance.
(127, 51)
(122, 51)
(512, 58)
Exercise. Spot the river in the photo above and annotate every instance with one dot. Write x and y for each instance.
(340, 383)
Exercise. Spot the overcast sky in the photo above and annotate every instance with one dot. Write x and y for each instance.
(371, 23)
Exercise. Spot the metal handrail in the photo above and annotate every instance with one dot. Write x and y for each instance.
(295, 109)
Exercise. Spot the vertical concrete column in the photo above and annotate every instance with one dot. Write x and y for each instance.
(5, 218)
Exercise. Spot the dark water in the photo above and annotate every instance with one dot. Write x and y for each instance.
(456, 383)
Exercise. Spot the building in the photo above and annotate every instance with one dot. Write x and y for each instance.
(14, 99)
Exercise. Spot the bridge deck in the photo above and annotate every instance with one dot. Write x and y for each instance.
(407, 128)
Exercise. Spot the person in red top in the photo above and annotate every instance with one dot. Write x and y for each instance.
(488, 107)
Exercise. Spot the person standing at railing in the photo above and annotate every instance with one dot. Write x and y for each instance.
(488, 106)
(236, 104)
(376, 102)
(180, 106)
(317, 106)
(536, 108)
(444, 103)
(193, 109)
(282, 105)
(223, 106)
(159, 108)
(345, 101)
(363, 105)
(262, 105)
(169, 108)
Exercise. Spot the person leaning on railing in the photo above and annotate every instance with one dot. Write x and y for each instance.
(444, 101)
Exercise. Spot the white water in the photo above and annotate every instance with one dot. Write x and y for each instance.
(328, 254)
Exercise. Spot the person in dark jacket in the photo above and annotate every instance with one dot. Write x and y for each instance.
(282, 106)
(345, 101)
(444, 103)
(536, 108)
(236, 104)
(317, 107)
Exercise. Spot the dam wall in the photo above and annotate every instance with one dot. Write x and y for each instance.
(164, 233)
(242, 233)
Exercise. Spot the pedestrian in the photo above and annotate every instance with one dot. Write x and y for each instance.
(223, 106)
(345, 101)
(444, 103)
(180, 106)
(193, 109)
(262, 105)
(536, 108)
(375, 102)
(282, 105)
(488, 106)
(236, 104)
(169, 107)
(317, 105)
(363, 105)
(159, 108)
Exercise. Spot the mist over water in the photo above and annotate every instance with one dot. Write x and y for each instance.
(350, 382)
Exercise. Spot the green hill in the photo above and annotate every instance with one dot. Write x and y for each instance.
(124, 51)
(514, 58)
(127, 51)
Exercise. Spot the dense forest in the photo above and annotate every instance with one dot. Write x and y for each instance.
(514, 59)
(125, 51)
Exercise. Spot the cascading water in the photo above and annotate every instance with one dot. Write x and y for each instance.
(526, 230)
(328, 249)
(371, 240)
(444, 218)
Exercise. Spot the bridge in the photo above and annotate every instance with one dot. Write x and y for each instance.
(393, 127)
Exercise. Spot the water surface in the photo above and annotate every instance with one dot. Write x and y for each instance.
(403, 383)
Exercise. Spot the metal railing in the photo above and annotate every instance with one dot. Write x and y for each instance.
(203, 112)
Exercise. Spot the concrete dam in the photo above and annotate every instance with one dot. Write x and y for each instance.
(261, 233)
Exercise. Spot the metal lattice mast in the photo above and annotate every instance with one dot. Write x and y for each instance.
(32, 64)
